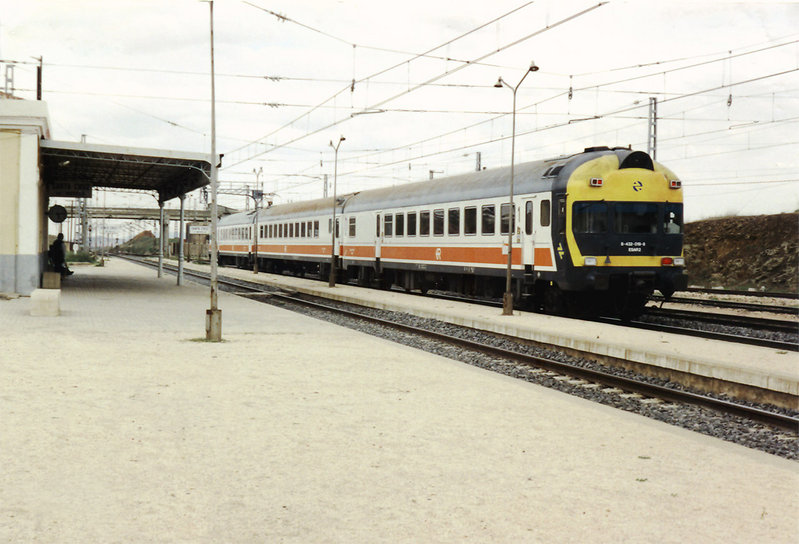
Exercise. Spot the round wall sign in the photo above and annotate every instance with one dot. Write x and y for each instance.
(57, 214)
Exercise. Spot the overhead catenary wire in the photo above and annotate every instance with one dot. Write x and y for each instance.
(435, 78)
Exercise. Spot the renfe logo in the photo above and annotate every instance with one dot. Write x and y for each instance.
(438, 253)
(637, 186)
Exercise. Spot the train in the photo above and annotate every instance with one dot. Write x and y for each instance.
(593, 233)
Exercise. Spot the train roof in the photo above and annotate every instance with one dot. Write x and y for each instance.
(530, 177)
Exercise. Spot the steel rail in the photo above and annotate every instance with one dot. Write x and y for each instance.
(771, 325)
(764, 294)
(731, 304)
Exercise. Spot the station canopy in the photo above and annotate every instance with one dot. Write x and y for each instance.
(72, 169)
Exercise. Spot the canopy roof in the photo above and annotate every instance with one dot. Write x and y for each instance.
(72, 169)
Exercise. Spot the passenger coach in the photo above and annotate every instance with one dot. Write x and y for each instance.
(593, 232)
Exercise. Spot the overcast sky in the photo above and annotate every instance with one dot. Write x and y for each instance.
(135, 73)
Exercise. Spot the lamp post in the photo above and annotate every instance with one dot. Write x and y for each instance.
(332, 282)
(213, 316)
(507, 298)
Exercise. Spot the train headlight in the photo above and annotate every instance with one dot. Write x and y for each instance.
(589, 261)
(596, 182)
(679, 261)
(675, 184)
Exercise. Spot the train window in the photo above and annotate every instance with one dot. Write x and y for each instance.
(673, 220)
(545, 213)
(562, 215)
(329, 225)
(337, 228)
(302, 229)
(504, 219)
(399, 224)
(424, 223)
(377, 226)
(352, 227)
(454, 221)
(470, 220)
(316, 229)
(296, 230)
(636, 217)
(590, 217)
(438, 222)
(411, 223)
(388, 225)
(310, 228)
(528, 217)
(488, 219)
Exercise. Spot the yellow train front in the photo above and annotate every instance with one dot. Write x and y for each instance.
(618, 236)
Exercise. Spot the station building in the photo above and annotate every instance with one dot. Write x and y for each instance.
(35, 168)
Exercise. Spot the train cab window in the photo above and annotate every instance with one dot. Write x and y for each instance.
(316, 229)
(352, 227)
(470, 221)
(672, 223)
(636, 217)
(399, 224)
(424, 223)
(454, 221)
(488, 220)
(504, 219)
(545, 213)
(590, 217)
(528, 217)
(388, 225)
(411, 223)
(438, 222)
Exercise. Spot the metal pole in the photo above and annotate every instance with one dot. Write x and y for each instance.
(180, 239)
(213, 317)
(161, 238)
(507, 297)
(255, 228)
(332, 282)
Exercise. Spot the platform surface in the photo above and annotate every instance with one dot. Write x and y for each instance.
(117, 426)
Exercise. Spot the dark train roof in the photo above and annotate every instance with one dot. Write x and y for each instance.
(552, 174)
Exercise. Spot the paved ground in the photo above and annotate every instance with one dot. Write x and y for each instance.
(294, 430)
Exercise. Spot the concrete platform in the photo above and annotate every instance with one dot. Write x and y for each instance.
(117, 426)
(753, 373)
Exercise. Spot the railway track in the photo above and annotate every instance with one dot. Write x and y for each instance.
(731, 304)
(764, 294)
(609, 381)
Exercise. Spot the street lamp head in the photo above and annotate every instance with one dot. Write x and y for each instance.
(533, 67)
(498, 84)
(341, 139)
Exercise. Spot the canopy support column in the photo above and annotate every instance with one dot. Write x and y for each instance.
(180, 239)
(161, 238)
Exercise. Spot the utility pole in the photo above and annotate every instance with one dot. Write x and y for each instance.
(213, 316)
(652, 128)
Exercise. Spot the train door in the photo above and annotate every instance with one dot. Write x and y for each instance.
(378, 234)
(529, 231)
